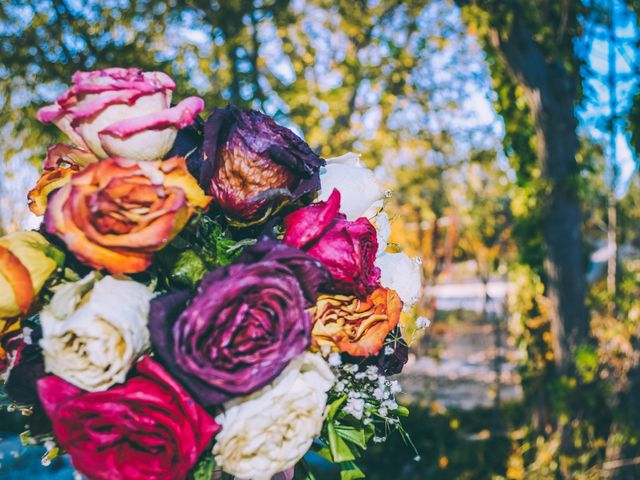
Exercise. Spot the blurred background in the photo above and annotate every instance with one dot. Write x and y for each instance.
(508, 134)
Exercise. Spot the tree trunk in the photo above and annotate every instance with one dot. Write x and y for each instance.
(612, 243)
(551, 94)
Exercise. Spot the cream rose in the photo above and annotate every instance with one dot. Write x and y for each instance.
(401, 273)
(94, 330)
(361, 193)
(269, 431)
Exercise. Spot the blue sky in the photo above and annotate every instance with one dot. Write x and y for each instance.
(596, 105)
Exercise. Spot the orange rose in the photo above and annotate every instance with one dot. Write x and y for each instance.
(354, 326)
(61, 162)
(116, 213)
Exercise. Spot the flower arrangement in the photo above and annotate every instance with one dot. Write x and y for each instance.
(200, 295)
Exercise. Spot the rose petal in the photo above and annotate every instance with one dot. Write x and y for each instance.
(151, 136)
(180, 116)
(61, 153)
(62, 119)
(147, 429)
(92, 116)
(12, 269)
(301, 226)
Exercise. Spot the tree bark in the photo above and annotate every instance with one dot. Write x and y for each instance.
(551, 94)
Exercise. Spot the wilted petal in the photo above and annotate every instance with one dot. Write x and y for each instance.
(121, 112)
(61, 162)
(253, 167)
(24, 268)
(307, 224)
(362, 193)
(151, 136)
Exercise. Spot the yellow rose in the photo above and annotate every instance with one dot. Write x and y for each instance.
(24, 268)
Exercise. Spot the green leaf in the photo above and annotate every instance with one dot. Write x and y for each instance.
(322, 451)
(402, 411)
(350, 471)
(586, 359)
(49, 455)
(340, 451)
(188, 269)
(26, 439)
(215, 244)
(335, 406)
(54, 254)
(204, 468)
(303, 472)
(353, 435)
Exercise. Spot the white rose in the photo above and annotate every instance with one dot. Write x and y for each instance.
(401, 273)
(383, 231)
(94, 330)
(361, 193)
(269, 431)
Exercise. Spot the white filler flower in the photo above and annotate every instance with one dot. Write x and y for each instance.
(94, 330)
(269, 431)
(361, 193)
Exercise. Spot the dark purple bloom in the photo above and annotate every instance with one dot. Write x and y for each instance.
(246, 322)
(188, 144)
(27, 367)
(394, 363)
(252, 166)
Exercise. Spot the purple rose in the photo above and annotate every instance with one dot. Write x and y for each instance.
(252, 166)
(246, 322)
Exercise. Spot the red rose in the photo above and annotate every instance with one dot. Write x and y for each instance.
(347, 249)
(148, 428)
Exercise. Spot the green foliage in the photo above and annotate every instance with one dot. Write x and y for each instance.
(587, 363)
(519, 141)
(452, 444)
(482, 206)
(203, 246)
(204, 468)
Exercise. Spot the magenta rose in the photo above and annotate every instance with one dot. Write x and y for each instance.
(122, 112)
(148, 428)
(246, 322)
(348, 249)
(253, 167)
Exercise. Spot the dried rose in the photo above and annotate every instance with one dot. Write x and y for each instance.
(353, 326)
(252, 166)
(348, 249)
(116, 213)
(147, 429)
(122, 112)
(246, 322)
(24, 268)
(61, 162)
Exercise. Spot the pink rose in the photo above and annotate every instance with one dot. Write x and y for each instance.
(149, 428)
(122, 112)
(347, 249)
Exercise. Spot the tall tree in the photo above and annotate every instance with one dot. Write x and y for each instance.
(532, 42)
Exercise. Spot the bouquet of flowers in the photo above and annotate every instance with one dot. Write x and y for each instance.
(201, 295)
